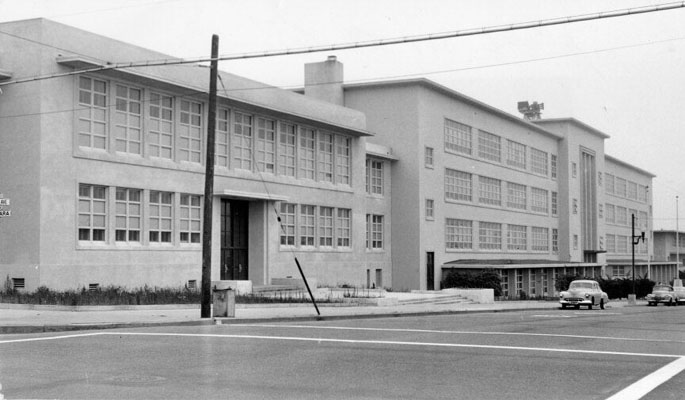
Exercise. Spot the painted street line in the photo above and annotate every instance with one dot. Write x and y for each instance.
(38, 339)
(343, 328)
(645, 385)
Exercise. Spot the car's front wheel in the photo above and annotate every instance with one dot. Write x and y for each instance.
(601, 304)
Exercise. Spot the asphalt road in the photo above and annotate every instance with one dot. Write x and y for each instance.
(554, 354)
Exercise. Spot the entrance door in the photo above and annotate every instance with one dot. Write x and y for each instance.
(234, 216)
(430, 270)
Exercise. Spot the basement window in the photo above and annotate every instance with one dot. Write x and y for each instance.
(18, 283)
(93, 287)
(192, 284)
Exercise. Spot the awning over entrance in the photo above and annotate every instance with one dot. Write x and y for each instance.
(237, 194)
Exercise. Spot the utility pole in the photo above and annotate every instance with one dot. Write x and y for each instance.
(206, 286)
(634, 240)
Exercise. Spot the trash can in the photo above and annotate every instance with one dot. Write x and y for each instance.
(224, 302)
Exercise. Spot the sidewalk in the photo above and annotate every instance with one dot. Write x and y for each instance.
(16, 318)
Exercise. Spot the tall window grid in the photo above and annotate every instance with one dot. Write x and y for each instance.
(516, 154)
(539, 200)
(457, 137)
(517, 237)
(161, 134)
(190, 218)
(374, 177)
(242, 141)
(489, 236)
(325, 156)
(306, 153)
(266, 145)
(128, 215)
(307, 225)
(489, 146)
(374, 229)
(160, 217)
(222, 137)
(286, 149)
(458, 234)
(490, 191)
(92, 213)
(540, 238)
(92, 113)
(128, 121)
(458, 185)
(326, 226)
(516, 196)
(538, 161)
(190, 131)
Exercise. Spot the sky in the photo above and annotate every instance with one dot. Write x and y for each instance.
(624, 76)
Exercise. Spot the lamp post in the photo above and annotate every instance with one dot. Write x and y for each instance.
(677, 235)
(634, 241)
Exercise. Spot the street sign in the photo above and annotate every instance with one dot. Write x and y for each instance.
(4, 202)
(5, 213)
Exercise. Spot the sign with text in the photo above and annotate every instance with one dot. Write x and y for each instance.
(4, 202)
(5, 213)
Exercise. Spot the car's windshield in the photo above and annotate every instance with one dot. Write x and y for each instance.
(581, 285)
(663, 287)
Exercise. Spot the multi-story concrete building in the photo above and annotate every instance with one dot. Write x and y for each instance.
(105, 169)
(669, 246)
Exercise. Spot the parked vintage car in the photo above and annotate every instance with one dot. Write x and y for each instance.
(583, 293)
(666, 294)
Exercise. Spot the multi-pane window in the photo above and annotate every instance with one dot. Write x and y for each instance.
(620, 187)
(539, 238)
(242, 141)
(343, 226)
(374, 177)
(621, 244)
(489, 146)
(190, 131)
(374, 231)
(517, 237)
(221, 137)
(555, 205)
(516, 196)
(490, 235)
(325, 157)
(160, 216)
(128, 121)
(430, 208)
(458, 185)
(632, 190)
(286, 149)
(538, 161)
(307, 225)
(92, 113)
(621, 215)
(611, 243)
(539, 200)
(642, 193)
(489, 191)
(555, 240)
(161, 132)
(287, 216)
(342, 160)
(458, 234)
(128, 215)
(516, 154)
(326, 226)
(92, 213)
(190, 219)
(306, 153)
(266, 145)
(610, 183)
(428, 156)
(611, 213)
(457, 137)
(553, 166)
(642, 221)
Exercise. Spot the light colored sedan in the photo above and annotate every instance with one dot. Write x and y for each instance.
(583, 293)
(664, 294)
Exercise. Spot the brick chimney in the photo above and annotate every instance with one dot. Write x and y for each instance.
(324, 80)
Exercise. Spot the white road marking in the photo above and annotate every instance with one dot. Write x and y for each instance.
(456, 332)
(38, 339)
(396, 343)
(645, 385)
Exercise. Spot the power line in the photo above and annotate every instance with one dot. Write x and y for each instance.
(382, 42)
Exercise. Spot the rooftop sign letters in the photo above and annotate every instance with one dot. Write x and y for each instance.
(4, 203)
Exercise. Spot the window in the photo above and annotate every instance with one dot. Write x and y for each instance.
(601, 211)
(555, 240)
(428, 156)
(92, 213)
(620, 187)
(540, 238)
(458, 234)
(326, 226)
(553, 166)
(457, 137)
(632, 190)
(128, 215)
(490, 235)
(92, 113)
(307, 225)
(489, 146)
(161, 207)
(642, 193)
(242, 141)
(190, 219)
(458, 185)
(516, 154)
(266, 145)
(161, 132)
(643, 223)
(575, 242)
(325, 155)
(374, 228)
(611, 213)
(287, 216)
(538, 161)
(621, 215)
(128, 121)
(286, 149)
(342, 159)
(516, 196)
(190, 131)
(306, 153)
(517, 237)
(599, 179)
(430, 209)
(574, 169)
(374, 177)
(611, 184)
(621, 244)
(490, 191)
(538, 200)
(554, 204)
(343, 227)
(575, 206)
(221, 141)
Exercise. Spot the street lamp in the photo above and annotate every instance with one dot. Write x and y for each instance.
(634, 241)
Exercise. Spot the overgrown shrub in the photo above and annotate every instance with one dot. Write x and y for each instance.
(484, 279)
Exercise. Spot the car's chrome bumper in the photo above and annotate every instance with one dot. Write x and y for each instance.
(574, 302)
